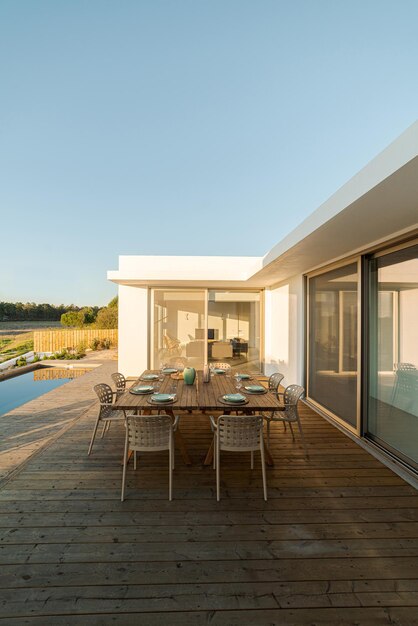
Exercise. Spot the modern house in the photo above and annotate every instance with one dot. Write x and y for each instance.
(333, 306)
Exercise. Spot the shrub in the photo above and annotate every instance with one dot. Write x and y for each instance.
(21, 362)
(36, 358)
(105, 343)
(95, 343)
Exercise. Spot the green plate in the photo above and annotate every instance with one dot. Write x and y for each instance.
(170, 370)
(163, 397)
(234, 397)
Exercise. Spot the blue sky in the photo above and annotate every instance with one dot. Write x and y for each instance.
(184, 126)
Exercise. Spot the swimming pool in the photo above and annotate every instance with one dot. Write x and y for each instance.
(20, 389)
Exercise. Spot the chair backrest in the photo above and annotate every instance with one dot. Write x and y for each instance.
(404, 366)
(291, 397)
(275, 380)
(221, 366)
(120, 382)
(149, 432)
(240, 432)
(105, 395)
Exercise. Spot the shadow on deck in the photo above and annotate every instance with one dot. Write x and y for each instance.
(336, 543)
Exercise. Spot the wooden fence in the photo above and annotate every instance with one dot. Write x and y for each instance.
(55, 340)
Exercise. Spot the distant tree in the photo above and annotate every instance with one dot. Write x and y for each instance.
(107, 317)
(72, 319)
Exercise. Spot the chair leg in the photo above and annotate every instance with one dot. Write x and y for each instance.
(134, 459)
(268, 431)
(174, 450)
(125, 463)
(103, 430)
(263, 468)
(284, 426)
(93, 435)
(302, 436)
(108, 425)
(214, 451)
(218, 471)
(252, 459)
(170, 470)
(291, 430)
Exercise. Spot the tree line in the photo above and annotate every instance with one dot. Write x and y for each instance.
(69, 315)
(31, 312)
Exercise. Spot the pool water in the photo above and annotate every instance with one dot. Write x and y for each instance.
(20, 389)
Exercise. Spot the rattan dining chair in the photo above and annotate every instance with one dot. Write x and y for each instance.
(274, 381)
(120, 383)
(238, 433)
(106, 413)
(221, 366)
(291, 397)
(149, 433)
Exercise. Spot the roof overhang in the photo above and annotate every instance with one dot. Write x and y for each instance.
(377, 204)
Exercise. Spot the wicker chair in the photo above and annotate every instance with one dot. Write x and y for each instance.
(274, 381)
(291, 397)
(120, 383)
(106, 413)
(235, 433)
(149, 433)
(221, 366)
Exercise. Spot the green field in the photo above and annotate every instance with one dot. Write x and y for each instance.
(16, 338)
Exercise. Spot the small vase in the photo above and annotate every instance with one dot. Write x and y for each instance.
(189, 375)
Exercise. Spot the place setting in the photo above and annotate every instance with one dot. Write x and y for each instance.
(233, 399)
(162, 399)
(142, 390)
(255, 390)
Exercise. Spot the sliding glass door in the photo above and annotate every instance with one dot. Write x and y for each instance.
(333, 339)
(193, 327)
(234, 328)
(392, 394)
(178, 327)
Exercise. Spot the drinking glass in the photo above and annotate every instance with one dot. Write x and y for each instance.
(238, 383)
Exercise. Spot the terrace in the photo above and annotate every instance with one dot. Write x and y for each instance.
(336, 542)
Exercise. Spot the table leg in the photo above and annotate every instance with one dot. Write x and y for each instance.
(182, 447)
(209, 456)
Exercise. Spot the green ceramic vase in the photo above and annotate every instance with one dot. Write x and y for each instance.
(189, 375)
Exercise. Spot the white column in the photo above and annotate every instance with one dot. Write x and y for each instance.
(133, 330)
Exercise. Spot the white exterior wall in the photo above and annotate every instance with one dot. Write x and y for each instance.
(284, 331)
(133, 330)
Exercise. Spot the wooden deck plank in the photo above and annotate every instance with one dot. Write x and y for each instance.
(336, 542)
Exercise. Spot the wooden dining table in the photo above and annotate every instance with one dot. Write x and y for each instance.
(200, 396)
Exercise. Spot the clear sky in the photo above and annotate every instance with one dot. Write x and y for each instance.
(184, 126)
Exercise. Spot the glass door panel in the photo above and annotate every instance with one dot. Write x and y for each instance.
(178, 327)
(234, 322)
(392, 403)
(333, 340)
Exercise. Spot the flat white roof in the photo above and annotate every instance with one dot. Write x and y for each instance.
(378, 203)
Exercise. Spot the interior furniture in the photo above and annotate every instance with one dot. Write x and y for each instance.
(290, 414)
(149, 433)
(222, 350)
(195, 348)
(239, 346)
(107, 411)
(243, 433)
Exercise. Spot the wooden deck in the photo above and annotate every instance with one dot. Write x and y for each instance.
(336, 543)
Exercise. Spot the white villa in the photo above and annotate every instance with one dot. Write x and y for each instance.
(333, 306)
